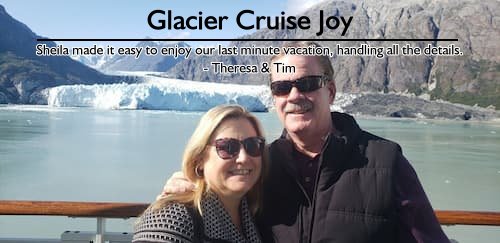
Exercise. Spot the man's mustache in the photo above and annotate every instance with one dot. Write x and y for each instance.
(298, 107)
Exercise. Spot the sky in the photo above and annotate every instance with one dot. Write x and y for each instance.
(128, 18)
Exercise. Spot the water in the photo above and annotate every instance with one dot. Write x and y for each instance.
(75, 154)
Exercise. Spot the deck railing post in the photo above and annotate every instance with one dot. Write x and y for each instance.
(101, 229)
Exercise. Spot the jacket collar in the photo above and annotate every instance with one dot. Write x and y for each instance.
(345, 128)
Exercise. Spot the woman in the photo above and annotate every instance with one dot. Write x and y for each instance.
(224, 158)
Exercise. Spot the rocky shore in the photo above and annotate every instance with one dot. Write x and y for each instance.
(402, 106)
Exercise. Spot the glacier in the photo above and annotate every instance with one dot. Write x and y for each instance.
(157, 93)
(161, 93)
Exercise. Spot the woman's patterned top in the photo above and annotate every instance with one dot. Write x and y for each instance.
(174, 223)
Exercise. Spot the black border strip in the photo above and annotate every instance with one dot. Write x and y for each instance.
(234, 39)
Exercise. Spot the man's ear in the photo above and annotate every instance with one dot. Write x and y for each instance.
(332, 89)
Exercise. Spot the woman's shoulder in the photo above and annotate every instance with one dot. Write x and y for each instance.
(171, 223)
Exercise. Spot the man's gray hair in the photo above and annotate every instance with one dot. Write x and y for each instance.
(324, 61)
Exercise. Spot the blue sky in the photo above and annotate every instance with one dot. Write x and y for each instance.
(128, 18)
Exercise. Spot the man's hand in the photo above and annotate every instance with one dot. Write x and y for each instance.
(176, 184)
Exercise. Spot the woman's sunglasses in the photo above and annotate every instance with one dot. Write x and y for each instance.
(305, 84)
(228, 148)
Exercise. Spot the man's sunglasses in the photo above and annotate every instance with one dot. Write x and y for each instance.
(228, 148)
(305, 84)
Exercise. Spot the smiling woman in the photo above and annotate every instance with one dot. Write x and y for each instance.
(224, 158)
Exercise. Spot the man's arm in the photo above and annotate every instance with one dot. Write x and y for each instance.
(176, 184)
(416, 219)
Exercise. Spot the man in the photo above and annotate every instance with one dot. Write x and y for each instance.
(330, 181)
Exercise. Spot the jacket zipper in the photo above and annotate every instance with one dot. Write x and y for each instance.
(315, 190)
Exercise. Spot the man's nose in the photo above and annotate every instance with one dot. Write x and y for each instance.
(295, 94)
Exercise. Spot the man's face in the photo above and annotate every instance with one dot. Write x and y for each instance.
(302, 111)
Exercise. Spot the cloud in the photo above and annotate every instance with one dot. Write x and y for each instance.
(295, 7)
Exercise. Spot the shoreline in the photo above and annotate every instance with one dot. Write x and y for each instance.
(495, 121)
(357, 115)
(404, 106)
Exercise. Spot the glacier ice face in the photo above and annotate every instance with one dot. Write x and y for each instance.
(161, 94)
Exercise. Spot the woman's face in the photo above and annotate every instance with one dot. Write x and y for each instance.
(232, 176)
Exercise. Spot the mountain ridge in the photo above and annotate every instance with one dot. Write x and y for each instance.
(23, 74)
(469, 79)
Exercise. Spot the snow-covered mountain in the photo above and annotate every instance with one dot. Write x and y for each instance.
(94, 61)
(117, 63)
(155, 63)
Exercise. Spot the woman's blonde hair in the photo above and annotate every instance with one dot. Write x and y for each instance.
(196, 150)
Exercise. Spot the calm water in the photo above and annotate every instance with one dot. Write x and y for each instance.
(91, 155)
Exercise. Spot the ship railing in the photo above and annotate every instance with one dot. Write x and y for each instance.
(108, 210)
